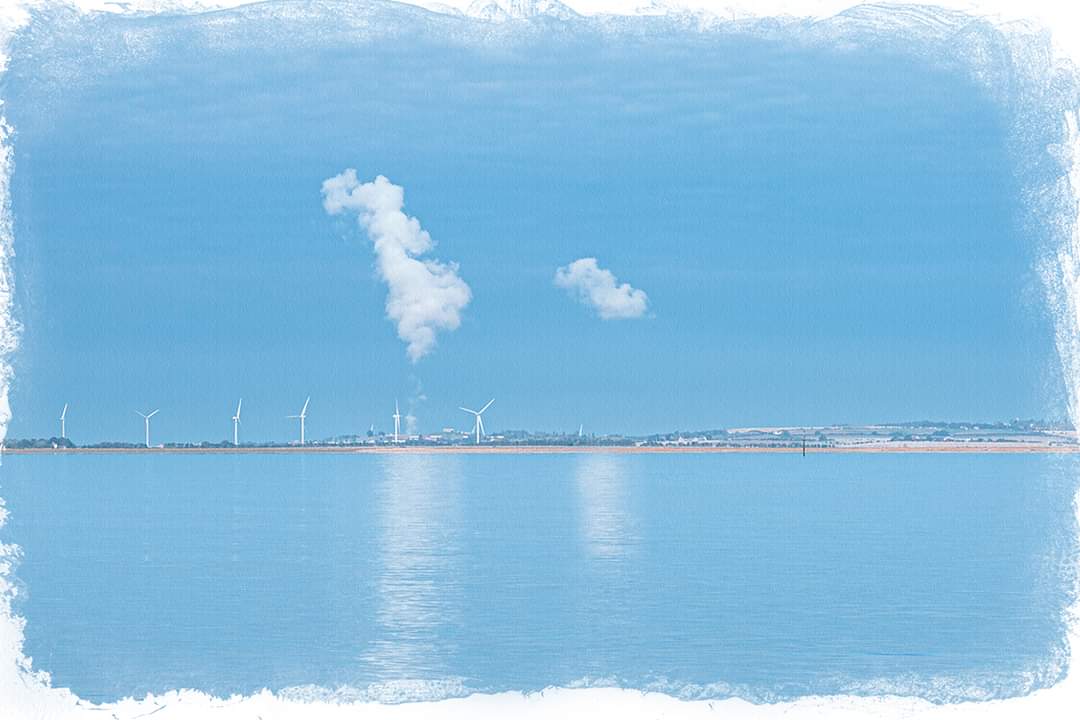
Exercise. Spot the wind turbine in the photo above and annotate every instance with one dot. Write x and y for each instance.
(236, 424)
(63, 426)
(397, 420)
(302, 416)
(146, 419)
(479, 426)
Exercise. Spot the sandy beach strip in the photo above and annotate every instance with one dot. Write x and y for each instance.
(884, 447)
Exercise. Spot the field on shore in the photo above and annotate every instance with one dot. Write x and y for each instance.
(881, 447)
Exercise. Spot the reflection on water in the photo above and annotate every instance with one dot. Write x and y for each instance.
(418, 587)
(424, 576)
(608, 526)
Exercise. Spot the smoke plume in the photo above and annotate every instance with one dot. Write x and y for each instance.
(425, 296)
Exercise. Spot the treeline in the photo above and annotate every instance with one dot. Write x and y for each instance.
(27, 443)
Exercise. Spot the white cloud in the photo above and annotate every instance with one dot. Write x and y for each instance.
(599, 289)
(426, 296)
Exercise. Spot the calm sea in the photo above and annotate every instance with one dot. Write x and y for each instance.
(401, 577)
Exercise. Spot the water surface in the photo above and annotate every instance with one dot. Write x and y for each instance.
(406, 576)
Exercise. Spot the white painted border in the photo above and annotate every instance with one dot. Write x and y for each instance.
(27, 695)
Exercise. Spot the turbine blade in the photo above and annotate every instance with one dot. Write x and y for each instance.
(153, 413)
(488, 405)
(238, 406)
(304, 411)
(468, 410)
(139, 414)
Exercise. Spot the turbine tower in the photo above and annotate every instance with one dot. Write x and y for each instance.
(397, 420)
(63, 422)
(478, 428)
(301, 417)
(236, 424)
(146, 419)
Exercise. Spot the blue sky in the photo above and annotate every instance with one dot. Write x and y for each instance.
(824, 235)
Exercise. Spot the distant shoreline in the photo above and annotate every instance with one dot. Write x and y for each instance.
(878, 448)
